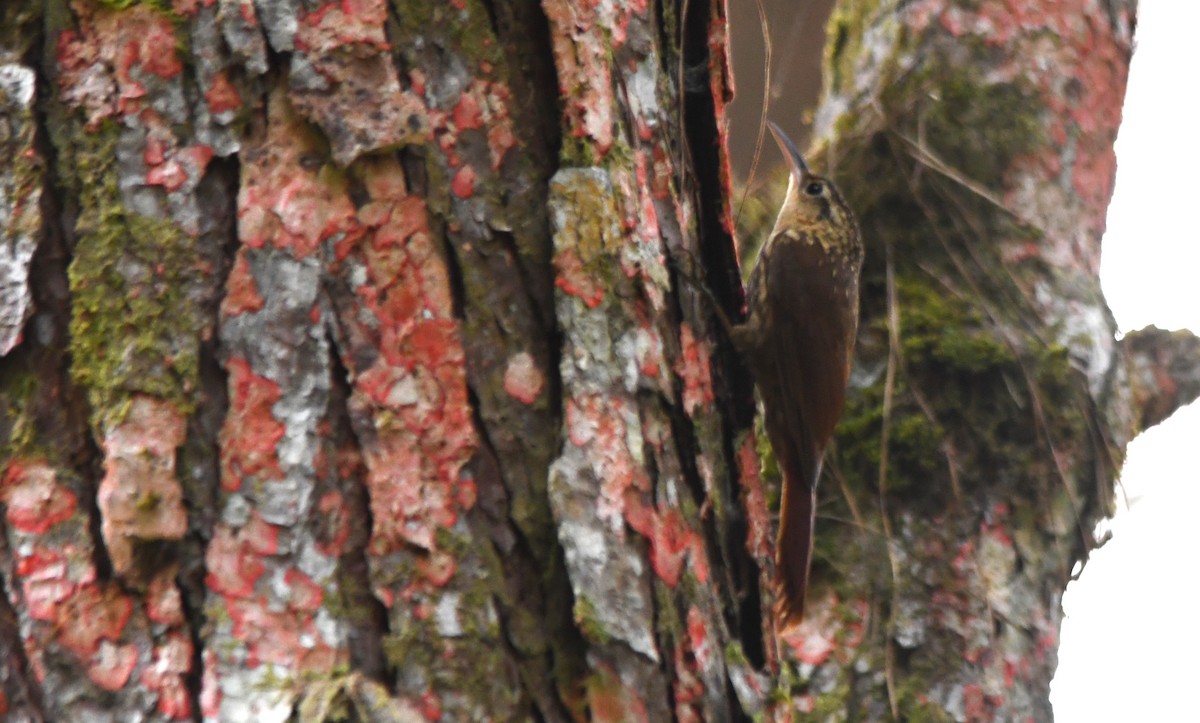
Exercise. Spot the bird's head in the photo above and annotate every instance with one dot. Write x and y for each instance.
(812, 202)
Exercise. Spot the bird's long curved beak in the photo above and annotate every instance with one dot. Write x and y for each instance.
(790, 152)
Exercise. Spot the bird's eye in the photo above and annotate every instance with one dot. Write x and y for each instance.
(815, 188)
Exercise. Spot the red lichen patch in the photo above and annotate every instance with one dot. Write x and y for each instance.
(431, 706)
(189, 8)
(221, 95)
(754, 500)
(671, 538)
(150, 44)
(93, 613)
(169, 174)
(83, 80)
(693, 368)
(581, 56)
(484, 104)
(335, 521)
(698, 637)
(251, 431)
(687, 687)
(975, 706)
(522, 379)
(241, 290)
(286, 200)
(467, 114)
(167, 674)
(463, 184)
(410, 501)
(305, 595)
(233, 565)
(46, 580)
(113, 665)
(720, 76)
(1081, 78)
(416, 387)
(164, 604)
(34, 500)
(693, 655)
(363, 108)
(210, 688)
(574, 280)
(346, 22)
(467, 493)
(139, 497)
(437, 567)
(597, 422)
(110, 58)
(260, 536)
(282, 638)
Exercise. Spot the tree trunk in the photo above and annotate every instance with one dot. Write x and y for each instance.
(354, 365)
(991, 403)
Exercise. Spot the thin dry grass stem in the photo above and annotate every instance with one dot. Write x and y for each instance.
(889, 386)
(836, 472)
(930, 160)
(766, 106)
(681, 111)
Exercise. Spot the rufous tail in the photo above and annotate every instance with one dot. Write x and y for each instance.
(793, 552)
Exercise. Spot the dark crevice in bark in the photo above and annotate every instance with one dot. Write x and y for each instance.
(731, 381)
(365, 615)
(198, 459)
(523, 31)
(523, 594)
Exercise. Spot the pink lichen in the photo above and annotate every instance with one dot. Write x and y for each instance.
(221, 95)
(523, 380)
(463, 183)
(251, 431)
(241, 290)
(693, 367)
(113, 665)
(91, 614)
(167, 676)
(140, 497)
(582, 57)
(671, 540)
(233, 566)
(416, 384)
(754, 500)
(574, 280)
(34, 501)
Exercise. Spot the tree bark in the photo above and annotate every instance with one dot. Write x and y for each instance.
(354, 363)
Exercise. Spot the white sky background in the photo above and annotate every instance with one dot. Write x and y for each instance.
(1129, 643)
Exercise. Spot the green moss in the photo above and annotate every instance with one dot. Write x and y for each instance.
(734, 655)
(18, 397)
(135, 319)
(588, 623)
(912, 699)
(977, 127)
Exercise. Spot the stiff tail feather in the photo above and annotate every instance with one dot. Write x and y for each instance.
(793, 551)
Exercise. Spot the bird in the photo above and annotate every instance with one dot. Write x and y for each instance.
(797, 340)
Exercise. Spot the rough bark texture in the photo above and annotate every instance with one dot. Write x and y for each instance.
(348, 370)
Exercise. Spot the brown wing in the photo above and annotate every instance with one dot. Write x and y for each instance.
(806, 357)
